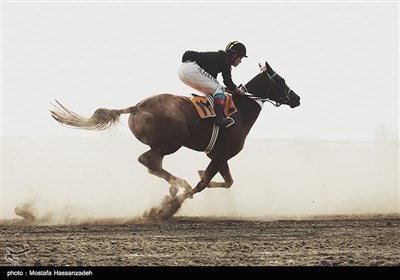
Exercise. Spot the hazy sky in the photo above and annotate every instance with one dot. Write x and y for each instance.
(341, 58)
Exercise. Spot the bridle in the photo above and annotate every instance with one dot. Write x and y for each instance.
(267, 99)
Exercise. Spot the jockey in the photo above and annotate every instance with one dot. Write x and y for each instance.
(199, 70)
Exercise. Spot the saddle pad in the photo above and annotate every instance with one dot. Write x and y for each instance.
(204, 105)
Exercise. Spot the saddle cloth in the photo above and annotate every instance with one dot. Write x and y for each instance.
(204, 105)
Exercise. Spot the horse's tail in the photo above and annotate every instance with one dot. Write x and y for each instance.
(100, 120)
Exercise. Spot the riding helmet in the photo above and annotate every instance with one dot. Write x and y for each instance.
(236, 47)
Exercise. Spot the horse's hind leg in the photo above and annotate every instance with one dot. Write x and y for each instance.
(226, 175)
(153, 161)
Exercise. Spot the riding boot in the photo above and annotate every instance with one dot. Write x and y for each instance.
(220, 119)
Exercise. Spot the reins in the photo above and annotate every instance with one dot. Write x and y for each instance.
(266, 99)
(260, 99)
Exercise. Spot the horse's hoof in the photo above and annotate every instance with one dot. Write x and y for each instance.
(173, 191)
(183, 184)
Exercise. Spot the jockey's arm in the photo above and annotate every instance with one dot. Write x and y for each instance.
(235, 91)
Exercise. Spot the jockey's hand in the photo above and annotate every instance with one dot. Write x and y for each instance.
(228, 90)
(239, 91)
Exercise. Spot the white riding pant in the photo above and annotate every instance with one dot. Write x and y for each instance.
(191, 74)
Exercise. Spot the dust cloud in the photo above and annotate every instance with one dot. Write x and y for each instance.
(27, 210)
(70, 180)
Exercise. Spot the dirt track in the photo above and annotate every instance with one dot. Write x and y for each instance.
(205, 241)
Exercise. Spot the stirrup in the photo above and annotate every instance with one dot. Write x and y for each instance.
(231, 122)
(226, 122)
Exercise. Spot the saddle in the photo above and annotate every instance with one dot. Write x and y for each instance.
(204, 105)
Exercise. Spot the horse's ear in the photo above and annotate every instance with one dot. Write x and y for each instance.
(262, 68)
(267, 66)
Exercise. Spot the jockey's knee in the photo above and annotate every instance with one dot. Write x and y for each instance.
(219, 92)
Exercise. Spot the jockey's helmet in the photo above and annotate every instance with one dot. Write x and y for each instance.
(236, 47)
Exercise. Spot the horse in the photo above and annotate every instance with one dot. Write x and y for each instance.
(166, 122)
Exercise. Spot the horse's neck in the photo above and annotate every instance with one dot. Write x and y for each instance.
(249, 111)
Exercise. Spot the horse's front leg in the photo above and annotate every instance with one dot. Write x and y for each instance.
(226, 175)
(209, 173)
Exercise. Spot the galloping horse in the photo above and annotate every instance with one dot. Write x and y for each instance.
(166, 122)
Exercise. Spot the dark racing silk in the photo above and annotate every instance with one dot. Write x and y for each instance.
(213, 63)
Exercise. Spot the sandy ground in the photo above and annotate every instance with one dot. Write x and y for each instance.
(368, 240)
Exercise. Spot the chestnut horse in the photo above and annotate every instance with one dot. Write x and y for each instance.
(166, 122)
